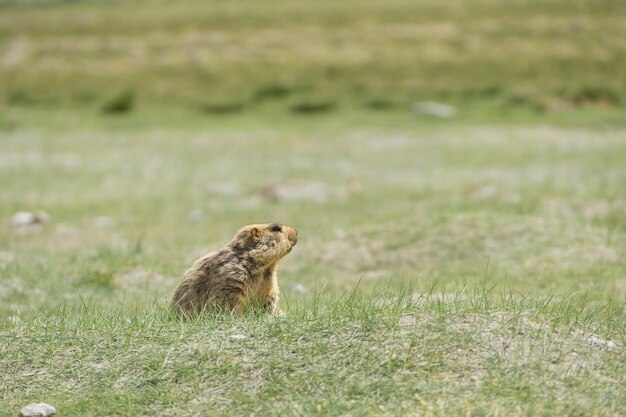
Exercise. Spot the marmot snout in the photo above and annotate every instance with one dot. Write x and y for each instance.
(239, 276)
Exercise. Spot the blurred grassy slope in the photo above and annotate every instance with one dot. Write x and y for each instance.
(229, 56)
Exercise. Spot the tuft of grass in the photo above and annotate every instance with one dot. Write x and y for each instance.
(275, 91)
(122, 103)
(102, 278)
(599, 95)
(313, 106)
(380, 104)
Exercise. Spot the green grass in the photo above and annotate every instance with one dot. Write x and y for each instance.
(463, 269)
(476, 354)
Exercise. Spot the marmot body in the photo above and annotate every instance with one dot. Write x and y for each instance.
(241, 275)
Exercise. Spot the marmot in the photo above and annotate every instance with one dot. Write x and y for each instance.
(241, 275)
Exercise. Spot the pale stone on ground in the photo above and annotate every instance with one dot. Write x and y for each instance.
(26, 218)
(38, 410)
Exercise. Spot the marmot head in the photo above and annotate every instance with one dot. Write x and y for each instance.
(265, 243)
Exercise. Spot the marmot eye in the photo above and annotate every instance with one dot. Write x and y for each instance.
(276, 227)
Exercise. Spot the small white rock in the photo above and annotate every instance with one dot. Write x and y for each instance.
(237, 337)
(431, 108)
(299, 288)
(594, 340)
(26, 218)
(38, 410)
(23, 218)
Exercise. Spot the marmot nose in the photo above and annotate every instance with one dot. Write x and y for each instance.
(293, 238)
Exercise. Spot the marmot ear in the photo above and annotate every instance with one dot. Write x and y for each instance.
(255, 232)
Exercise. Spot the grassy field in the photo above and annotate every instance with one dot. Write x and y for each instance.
(503, 58)
(466, 266)
(507, 244)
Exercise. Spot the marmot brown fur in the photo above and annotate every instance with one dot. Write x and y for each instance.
(241, 275)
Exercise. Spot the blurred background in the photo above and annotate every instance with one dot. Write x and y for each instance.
(410, 141)
(490, 57)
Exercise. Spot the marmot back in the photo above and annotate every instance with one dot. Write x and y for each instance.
(239, 276)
